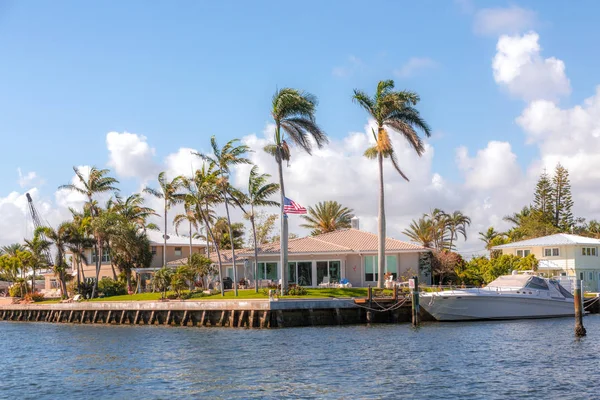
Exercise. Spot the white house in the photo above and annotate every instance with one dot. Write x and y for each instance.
(562, 255)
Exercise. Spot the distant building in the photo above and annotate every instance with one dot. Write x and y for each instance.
(178, 247)
(562, 255)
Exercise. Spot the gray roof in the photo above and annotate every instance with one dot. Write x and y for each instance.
(559, 239)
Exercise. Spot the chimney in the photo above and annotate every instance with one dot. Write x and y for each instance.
(355, 223)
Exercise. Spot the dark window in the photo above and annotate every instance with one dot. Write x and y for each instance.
(537, 283)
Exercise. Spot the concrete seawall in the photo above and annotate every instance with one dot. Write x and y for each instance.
(224, 313)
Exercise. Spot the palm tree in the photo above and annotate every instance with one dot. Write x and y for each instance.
(421, 231)
(327, 216)
(12, 249)
(203, 193)
(440, 227)
(167, 192)
(391, 110)
(457, 223)
(488, 236)
(80, 240)
(294, 114)
(258, 195)
(37, 247)
(97, 182)
(189, 217)
(133, 210)
(59, 238)
(222, 159)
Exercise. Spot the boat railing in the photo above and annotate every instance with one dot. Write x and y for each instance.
(456, 289)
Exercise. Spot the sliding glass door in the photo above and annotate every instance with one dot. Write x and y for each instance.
(330, 269)
(300, 273)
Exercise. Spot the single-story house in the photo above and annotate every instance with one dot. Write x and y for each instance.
(343, 254)
(563, 255)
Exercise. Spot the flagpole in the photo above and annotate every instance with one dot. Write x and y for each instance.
(284, 252)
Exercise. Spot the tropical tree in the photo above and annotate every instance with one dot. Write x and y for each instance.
(59, 238)
(264, 224)
(203, 193)
(457, 223)
(95, 183)
(12, 249)
(421, 231)
(168, 193)
(259, 192)
(293, 112)
(202, 266)
(189, 217)
(130, 248)
(327, 216)
(391, 110)
(162, 280)
(134, 211)
(226, 234)
(37, 248)
(222, 159)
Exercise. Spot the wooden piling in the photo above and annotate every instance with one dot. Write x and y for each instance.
(579, 329)
(415, 300)
(136, 319)
(123, 313)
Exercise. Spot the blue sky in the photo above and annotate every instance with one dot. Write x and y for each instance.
(179, 72)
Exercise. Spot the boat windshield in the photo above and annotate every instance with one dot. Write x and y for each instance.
(510, 281)
(537, 283)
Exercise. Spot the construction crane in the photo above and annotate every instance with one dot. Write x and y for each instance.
(37, 224)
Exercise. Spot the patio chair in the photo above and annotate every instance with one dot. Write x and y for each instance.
(344, 283)
(325, 283)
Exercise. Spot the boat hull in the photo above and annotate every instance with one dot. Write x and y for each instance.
(467, 307)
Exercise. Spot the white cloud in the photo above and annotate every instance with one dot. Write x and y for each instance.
(130, 155)
(519, 67)
(27, 179)
(183, 162)
(415, 65)
(497, 21)
(493, 167)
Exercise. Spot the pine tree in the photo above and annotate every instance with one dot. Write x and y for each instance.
(542, 203)
(562, 202)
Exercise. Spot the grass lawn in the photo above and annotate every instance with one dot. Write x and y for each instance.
(313, 293)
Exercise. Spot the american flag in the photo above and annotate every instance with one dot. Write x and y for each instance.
(291, 207)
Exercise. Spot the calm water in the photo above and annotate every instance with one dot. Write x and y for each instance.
(486, 360)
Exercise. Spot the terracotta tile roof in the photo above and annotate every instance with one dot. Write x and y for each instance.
(342, 241)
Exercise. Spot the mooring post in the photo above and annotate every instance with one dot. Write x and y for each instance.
(414, 289)
(578, 301)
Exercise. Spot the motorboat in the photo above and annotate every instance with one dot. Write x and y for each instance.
(513, 296)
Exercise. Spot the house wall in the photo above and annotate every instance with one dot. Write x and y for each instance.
(157, 259)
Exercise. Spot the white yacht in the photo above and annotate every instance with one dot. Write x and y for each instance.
(508, 297)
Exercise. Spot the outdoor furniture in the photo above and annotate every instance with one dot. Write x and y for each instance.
(344, 283)
(325, 283)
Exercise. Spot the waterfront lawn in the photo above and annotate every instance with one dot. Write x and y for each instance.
(312, 293)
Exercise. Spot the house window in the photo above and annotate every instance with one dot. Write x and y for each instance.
(551, 252)
(105, 255)
(523, 252)
(589, 251)
(300, 273)
(153, 250)
(591, 276)
(178, 251)
(267, 270)
(330, 269)
(372, 267)
(581, 276)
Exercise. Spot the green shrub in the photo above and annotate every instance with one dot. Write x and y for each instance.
(37, 296)
(110, 287)
(297, 291)
(18, 289)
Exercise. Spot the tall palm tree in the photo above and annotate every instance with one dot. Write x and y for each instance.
(189, 217)
(327, 216)
(12, 249)
(204, 193)
(440, 226)
(80, 240)
(457, 223)
(294, 114)
(98, 181)
(59, 238)
(222, 159)
(391, 110)
(259, 192)
(167, 192)
(421, 231)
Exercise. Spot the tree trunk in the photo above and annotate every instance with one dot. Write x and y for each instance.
(381, 225)
(283, 238)
(209, 232)
(190, 239)
(255, 251)
(207, 241)
(235, 281)
(165, 236)
(98, 245)
(33, 280)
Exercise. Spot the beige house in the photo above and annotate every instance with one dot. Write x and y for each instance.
(349, 254)
(178, 247)
(563, 255)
